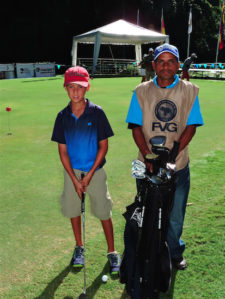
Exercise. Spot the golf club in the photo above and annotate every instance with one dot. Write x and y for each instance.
(83, 295)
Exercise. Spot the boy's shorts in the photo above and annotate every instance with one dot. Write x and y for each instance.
(100, 200)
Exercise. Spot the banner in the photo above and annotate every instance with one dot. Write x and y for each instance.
(45, 69)
(25, 70)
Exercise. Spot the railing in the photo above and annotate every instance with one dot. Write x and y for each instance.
(206, 70)
(128, 67)
(107, 67)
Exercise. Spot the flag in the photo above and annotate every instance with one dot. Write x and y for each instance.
(163, 31)
(190, 22)
(221, 36)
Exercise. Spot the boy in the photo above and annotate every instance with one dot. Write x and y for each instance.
(82, 131)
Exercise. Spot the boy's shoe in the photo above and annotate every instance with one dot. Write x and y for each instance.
(78, 257)
(114, 261)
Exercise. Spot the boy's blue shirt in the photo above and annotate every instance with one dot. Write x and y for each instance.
(134, 115)
(82, 135)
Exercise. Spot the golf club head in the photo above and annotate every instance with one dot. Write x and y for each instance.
(171, 166)
(138, 169)
(165, 174)
(155, 179)
(82, 296)
(158, 141)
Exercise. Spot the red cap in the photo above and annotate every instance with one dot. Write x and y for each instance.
(8, 109)
(78, 75)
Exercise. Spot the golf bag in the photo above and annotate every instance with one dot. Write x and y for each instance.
(146, 263)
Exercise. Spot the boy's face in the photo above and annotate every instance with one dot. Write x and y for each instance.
(76, 92)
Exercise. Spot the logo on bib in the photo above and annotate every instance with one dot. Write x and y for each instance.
(165, 110)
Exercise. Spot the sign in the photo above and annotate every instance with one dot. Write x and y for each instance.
(45, 69)
(25, 70)
(7, 71)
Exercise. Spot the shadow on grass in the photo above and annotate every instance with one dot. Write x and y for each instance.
(91, 291)
(93, 288)
(51, 288)
(169, 294)
(38, 80)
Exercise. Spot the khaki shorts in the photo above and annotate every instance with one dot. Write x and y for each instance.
(101, 203)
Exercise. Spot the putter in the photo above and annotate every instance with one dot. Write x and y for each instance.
(83, 295)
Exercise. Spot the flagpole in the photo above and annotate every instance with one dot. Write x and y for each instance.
(218, 41)
(188, 47)
(138, 18)
(189, 30)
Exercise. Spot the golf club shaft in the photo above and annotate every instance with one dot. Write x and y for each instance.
(83, 222)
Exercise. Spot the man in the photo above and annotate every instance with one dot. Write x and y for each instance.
(146, 64)
(168, 106)
(187, 63)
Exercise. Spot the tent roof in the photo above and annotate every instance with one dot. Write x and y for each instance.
(121, 33)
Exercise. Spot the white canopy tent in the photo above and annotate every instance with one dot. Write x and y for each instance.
(117, 33)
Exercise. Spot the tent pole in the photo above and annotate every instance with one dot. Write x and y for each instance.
(74, 52)
(96, 52)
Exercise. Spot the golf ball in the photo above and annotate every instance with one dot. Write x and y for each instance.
(104, 278)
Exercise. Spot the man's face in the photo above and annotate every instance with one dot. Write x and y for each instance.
(166, 66)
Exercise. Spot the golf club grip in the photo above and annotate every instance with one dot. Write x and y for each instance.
(174, 151)
(83, 196)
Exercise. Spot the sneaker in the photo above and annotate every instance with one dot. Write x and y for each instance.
(180, 263)
(114, 261)
(78, 257)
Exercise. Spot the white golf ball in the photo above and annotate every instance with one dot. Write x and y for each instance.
(104, 278)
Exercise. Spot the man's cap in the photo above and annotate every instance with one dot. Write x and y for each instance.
(78, 75)
(150, 50)
(166, 48)
(193, 55)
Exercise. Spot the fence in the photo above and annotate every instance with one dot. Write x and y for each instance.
(128, 67)
(105, 68)
(111, 67)
(207, 70)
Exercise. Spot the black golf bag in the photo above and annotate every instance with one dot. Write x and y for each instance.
(146, 263)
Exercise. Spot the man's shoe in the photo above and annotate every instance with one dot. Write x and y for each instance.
(78, 257)
(114, 261)
(180, 263)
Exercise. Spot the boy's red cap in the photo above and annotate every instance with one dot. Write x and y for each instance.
(78, 75)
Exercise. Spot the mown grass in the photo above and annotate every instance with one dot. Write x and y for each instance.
(37, 241)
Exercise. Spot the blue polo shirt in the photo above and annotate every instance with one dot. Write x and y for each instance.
(134, 115)
(82, 135)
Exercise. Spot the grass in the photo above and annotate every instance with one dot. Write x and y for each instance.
(37, 241)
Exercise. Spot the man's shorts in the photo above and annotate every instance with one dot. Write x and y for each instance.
(100, 200)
